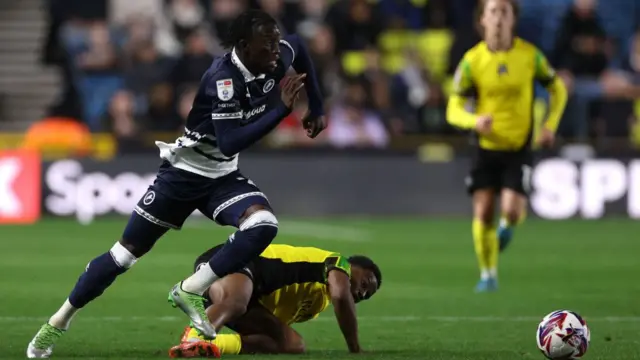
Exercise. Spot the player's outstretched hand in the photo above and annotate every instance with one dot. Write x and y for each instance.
(484, 124)
(314, 125)
(291, 90)
(546, 138)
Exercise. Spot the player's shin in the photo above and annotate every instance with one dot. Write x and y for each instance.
(254, 235)
(100, 273)
(482, 246)
(487, 248)
(229, 344)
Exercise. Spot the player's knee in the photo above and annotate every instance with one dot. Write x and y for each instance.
(512, 215)
(484, 213)
(293, 345)
(263, 223)
(134, 248)
(122, 255)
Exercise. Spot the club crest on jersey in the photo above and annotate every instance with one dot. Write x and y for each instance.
(225, 89)
(268, 86)
(502, 69)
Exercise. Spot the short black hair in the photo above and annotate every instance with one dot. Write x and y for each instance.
(245, 25)
(368, 264)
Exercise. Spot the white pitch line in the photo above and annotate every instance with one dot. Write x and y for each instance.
(379, 319)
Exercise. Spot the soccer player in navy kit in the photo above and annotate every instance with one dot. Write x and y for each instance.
(239, 102)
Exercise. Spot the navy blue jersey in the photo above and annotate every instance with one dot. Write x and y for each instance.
(230, 99)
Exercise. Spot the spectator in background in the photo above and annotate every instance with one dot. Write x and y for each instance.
(185, 16)
(96, 65)
(313, 13)
(356, 24)
(145, 69)
(195, 60)
(223, 12)
(162, 115)
(321, 49)
(581, 56)
(122, 121)
(185, 101)
(286, 14)
(352, 125)
(404, 11)
(414, 97)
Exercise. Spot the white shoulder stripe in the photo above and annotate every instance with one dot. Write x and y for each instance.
(235, 115)
(286, 43)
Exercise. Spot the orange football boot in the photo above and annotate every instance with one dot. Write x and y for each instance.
(200, 349)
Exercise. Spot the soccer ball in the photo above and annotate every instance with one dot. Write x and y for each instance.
(563, 335)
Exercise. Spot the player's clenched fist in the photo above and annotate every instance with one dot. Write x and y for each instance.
(483, 124)
(314, 125)
(546, 138)
(291, 90)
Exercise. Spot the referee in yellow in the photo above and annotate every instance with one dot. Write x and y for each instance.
(496, 79)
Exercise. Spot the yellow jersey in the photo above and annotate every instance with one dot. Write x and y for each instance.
(291, 281)
(502, 85)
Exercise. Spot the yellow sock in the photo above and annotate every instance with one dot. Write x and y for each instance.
(493, 249)
(229, 344)
(487, 248)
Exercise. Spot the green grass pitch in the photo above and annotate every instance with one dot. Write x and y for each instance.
(426, 308)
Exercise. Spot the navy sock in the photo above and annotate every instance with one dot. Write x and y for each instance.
(98, 276)
(242, 248)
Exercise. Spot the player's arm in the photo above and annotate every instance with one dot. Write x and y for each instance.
(557, 91)
(344, 306)
(303, 64)
(463, 89)
(227, 113)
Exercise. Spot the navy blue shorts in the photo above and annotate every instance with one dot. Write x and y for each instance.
(176, 194)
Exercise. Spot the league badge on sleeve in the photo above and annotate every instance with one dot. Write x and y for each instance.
(225, 89)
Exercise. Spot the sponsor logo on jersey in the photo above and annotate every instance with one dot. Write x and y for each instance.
(225, 89)
(19, 187)
(255, 111)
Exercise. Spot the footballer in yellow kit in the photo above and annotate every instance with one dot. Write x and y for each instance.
(285, 285)
(497, 78)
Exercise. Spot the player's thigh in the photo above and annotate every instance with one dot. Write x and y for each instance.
(483, 182)
(229, 203)
(230, 297)
(155, 214)
(516, 185)
(517, 174)
(486, 171)
(258, 320)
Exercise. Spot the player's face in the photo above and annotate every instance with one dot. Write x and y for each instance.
(363, 283)
(498, 19)
(263, 51)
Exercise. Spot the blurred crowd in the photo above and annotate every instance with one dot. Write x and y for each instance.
(132, 66)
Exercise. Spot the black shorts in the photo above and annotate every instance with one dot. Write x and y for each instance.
(176, 194)
(501, 170)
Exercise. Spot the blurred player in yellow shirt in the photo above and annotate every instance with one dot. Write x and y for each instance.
(498, 76)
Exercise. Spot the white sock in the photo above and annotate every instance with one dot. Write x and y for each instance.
(62, 318)
(200, 281)
(493, 273)
(485, 274)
